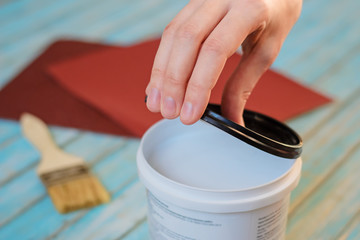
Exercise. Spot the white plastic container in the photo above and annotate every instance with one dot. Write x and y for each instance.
(205, 184)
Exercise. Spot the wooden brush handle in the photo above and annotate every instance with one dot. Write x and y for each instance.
(38, 134)
(53, 158)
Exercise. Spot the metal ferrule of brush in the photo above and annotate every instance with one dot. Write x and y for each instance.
(64, 175)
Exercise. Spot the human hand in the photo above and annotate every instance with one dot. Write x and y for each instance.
(196, 44)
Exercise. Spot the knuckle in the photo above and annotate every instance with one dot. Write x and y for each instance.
(172, 79)
(245, 95)
(188, 31)
(196, 87)
(268, 56)
(263, 9)
(258, 9)
(169, 31)
(214, 45)
(157, 72)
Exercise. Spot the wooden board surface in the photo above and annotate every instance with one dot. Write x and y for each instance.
(322, 51)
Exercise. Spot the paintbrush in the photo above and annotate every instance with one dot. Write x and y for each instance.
(68, 180)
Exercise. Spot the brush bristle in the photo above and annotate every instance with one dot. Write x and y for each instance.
(82, 192)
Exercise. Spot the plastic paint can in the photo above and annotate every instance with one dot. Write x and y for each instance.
(216, 180)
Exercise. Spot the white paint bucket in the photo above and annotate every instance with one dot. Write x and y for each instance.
(205, 184)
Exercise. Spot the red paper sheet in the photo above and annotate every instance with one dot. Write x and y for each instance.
(114, 80)
(34, 91)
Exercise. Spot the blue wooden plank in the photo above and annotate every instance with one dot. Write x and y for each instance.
(321, 35)
(14, 158)
(306, 30)
(16, 53)
(19, 195)
(328, 150)
(129, 14)
(42, 220)
(354, 234)
(11, 8)
(149, 23)
(62, 135)
(83, 19)
(116, 170)
(111, 221)
(341, 85)
(20, 154)
(72, 26)
(342, 79)
(69, 12)
(36, 19)
(334, 204)
(140, 233)
(91, 147)
(16, 44)
(119, 165)
(329, 53)
(352, 230)
(31, 217)
(6, 75)
(8, 129)
(311, 23)
(331, 140)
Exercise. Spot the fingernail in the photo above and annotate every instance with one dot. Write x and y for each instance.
(169, 108)
(187, 111)
(153, 100)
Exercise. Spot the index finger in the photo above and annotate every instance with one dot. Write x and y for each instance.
(221, 44)
(153, 90)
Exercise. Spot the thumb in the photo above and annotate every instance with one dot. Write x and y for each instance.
(253, 64)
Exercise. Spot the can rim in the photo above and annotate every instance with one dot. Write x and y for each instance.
(260, 131)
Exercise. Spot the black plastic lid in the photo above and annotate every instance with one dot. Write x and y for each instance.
(261, 131)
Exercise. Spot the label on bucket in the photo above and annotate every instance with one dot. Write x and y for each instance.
(169, 222)
(271, 225)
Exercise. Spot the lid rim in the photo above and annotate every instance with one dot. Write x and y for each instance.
(213, 116)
